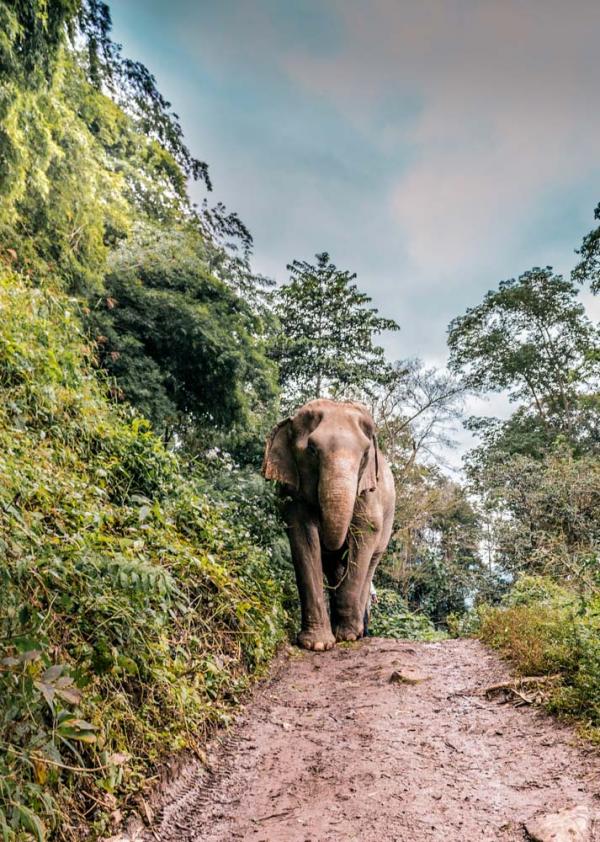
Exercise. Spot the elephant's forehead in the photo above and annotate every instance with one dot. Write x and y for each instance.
(328, 422)
(329, 405)
(318, 411)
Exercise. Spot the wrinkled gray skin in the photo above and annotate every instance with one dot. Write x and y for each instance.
(339, 509)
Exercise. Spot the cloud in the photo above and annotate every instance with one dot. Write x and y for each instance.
(508, 111)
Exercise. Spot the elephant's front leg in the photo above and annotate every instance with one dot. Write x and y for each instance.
(306, 554)
(350, 595)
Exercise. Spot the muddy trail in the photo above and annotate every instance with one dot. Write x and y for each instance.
(332, 750)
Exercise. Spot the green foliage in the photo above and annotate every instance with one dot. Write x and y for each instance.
(536, 473)
(75, 171)
(257, 507)
(391, 617)
(547, 629)
(433, 558)
(61, 194)
(531, 590)
(522, 434)
(181, 345)
(32, 33)
(325, 343)
(538, 638)
(132, 607)
(466, 624)
(531, 337)
(545, 514)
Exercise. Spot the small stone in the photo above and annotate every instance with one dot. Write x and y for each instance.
(406, 678)
(572, 824)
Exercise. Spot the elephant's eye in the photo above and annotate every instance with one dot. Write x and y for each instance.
(312, 448)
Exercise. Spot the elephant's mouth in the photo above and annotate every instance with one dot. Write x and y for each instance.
(334, 530)
(339, 545)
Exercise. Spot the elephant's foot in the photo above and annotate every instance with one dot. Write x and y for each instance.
(318, 639)
(348, 632)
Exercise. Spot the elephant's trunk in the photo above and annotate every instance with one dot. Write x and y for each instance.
(338, 484)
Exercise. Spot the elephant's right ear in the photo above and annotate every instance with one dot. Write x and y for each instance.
(279, 462)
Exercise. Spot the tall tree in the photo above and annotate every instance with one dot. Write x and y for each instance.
(416, 411)
(326, 343)
(531, 337)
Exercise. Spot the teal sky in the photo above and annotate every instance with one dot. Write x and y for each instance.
(435, 148)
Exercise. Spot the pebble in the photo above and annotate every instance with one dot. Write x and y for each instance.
(573, 824)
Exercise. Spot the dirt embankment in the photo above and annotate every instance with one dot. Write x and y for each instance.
(331, 750)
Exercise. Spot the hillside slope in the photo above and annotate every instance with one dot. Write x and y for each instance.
(133, 608)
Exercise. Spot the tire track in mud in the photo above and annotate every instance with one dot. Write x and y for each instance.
(331, 750)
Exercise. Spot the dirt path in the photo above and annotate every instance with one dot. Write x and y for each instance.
(331, 751)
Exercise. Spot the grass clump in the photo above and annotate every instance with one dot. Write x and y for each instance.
(133, 607)
(547, 629)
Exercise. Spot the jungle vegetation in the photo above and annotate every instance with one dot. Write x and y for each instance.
(144, 575)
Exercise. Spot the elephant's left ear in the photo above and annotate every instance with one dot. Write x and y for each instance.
(370, 475)
(278, 462)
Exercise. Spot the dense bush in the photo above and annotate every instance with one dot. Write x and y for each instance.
(545, 514)
(391, 617)
(256, 504)
(182, 346)
(548, 629)
(133, 608)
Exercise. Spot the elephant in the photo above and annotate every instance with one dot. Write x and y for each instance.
(338, 505)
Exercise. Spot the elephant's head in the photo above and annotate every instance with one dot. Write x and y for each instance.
(326, 454)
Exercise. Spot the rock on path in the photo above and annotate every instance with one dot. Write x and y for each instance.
(335, 749)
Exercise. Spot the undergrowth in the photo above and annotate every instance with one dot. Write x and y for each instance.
(133, 607)
(549, 629)
(391, 617)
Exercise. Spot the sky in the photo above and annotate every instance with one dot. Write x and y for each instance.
(434, 147)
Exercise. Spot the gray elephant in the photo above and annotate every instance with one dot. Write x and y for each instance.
(339, 508)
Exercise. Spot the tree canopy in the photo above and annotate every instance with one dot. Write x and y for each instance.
(93, 177)
(325, 346)
(181, 345)
(531, 337)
